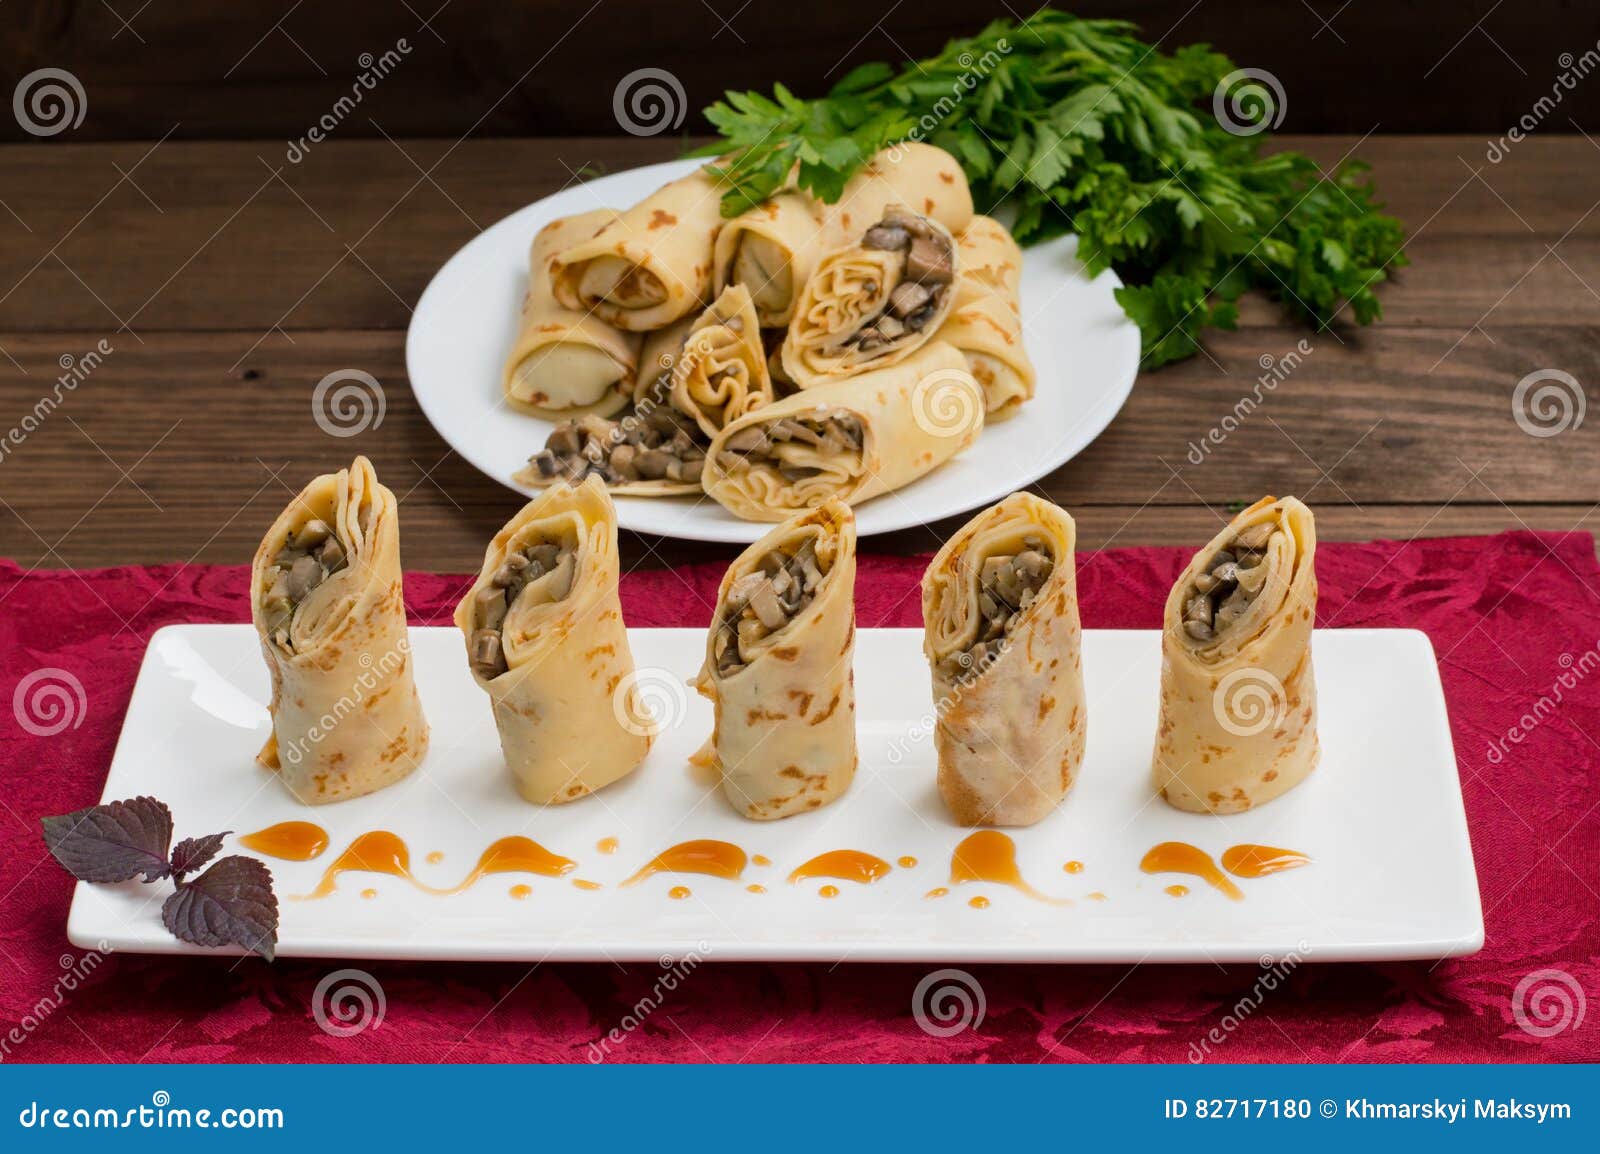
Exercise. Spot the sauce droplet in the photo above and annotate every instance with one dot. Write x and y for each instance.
(761, 859)
(678, 893)
(1257, 861)
(586, 884)
(607, 845)
(979, 903)
(908, 862)
(1097, 896)
(719, 859)
(1177, 891)
(1073, 867)
(376, 852)
(828, 892)
(369, 894)
(755, 889)
(937, 893)
(849, 865)
(991, 856)
(435, 858)
(288, 840)
(1177, 857)
(520, 891)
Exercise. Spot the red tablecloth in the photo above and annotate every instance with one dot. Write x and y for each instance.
(1516, 623)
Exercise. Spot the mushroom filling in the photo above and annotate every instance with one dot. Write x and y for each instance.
(659, 445)
(787, 443)
(1007, 585)
(1233, 577)
(926, 276)
(547, 566)
(309, 556)
(764, 600)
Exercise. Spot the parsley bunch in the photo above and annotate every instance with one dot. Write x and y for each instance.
(1081, 127)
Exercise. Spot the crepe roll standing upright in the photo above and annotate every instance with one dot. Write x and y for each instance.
(545, 639)
(567, 362)
(779, 667)
(874, 300)
(651, 264)
(771, 250)
(326, 599)
(1238, 723)
(1001, 634)
(986, 321)
(854, 439)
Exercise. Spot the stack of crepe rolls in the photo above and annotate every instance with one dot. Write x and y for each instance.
(326, 600)
(567, 362)
(874, 300)
(1238, 721)
(779, 667)
(771, 250)
(649, 265)
(1000, 608)
(545, 639)
(853, 439)
(986, 322)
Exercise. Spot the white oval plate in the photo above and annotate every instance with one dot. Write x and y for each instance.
(1085, 349)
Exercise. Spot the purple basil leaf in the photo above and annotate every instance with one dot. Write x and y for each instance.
(231, 903)
(112, 843)
(193, 852)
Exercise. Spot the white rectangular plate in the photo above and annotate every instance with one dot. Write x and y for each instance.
(1382, 819)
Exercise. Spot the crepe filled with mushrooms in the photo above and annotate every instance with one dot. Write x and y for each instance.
(545, 639)
(326, 599)
(714, 369)
(771, 250)
(986, 322)
(778, 668)
(853, 439)
(1001, 634)
(651, 264)
(1238, 721)
(567, 362)
(873, 301)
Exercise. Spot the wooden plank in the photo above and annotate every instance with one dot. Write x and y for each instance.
(268, 69)
(161, 453)
(233, 236)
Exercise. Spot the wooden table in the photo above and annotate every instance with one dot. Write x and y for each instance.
(226, 281)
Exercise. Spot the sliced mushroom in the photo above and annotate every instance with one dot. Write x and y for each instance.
(1008, 585)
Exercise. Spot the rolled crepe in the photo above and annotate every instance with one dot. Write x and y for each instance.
(991, 257)
(771, 250)
(651, 264)
(326, 600)
(1238, 700)
(567, 362)
(853, 439)
(778, 667)
(713, 369)
(545, 640)
(926, 179)
(874, 300)
(1000, 607)
(986, 323)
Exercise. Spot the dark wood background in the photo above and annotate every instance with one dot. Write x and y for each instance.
(247, 69)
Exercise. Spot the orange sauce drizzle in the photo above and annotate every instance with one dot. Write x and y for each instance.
(288, 840)
(1177, 891)
(991, 856)
(1257, 861)
(979, 902)
(755, 889)
(382, 852)
(586, 884)
(908, 862)
(678, 893)
(719, 859)
(936, 893)
(435, 857)
(1073, 867)
(1177, 857)
(520, 891)
(1097, 896)
(828, 892)
(761, 859)
(369, 893)
(849, 865)
(607, 845)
